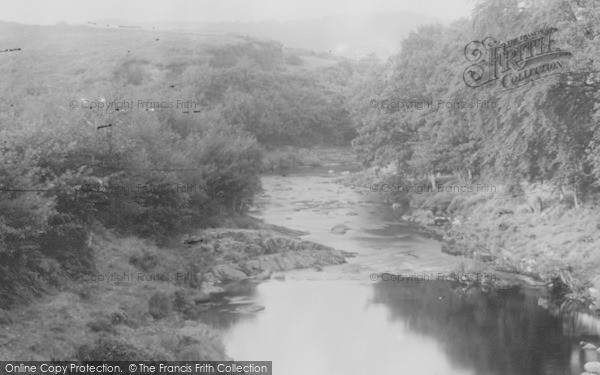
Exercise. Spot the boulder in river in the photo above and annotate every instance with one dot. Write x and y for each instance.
(340, 229)
(228, 272)
(593, 367)
(265, 275)
(201, 297)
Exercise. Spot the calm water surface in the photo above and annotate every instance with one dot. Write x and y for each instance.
(340, 321)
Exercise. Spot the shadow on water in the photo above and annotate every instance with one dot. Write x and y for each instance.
(399, 231)
(223, 310)
(491, 332)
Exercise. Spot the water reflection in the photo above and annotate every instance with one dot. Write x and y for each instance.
(346, 325)
(221, 311)
(490, 332)
(324, 327)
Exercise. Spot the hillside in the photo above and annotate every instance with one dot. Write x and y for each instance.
(351, 36)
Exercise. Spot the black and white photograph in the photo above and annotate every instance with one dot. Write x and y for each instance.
(300, 187)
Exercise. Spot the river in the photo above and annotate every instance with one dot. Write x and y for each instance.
(346, 320)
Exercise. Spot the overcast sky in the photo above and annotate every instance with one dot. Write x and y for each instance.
(81, 11)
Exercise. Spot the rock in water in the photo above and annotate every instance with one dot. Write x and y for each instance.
(228, 272)
(340, 229)
(201, 297)
(593, 367)
(396, 206)
(265, 275)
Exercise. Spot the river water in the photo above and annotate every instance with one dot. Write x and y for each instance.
(345, 320)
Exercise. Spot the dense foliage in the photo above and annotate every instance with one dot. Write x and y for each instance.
(142, 134)
(545, 131)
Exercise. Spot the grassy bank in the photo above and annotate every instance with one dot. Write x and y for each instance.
(145, 302)
(520, 229)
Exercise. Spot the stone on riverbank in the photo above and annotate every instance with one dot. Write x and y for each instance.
(255, 254)
(228, 272)
(201, 297)
(248, 309)
(265, 275)
(340, 229)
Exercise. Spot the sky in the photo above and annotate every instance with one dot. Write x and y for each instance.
(49, 12)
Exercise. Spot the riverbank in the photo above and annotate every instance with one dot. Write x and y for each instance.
(145, 302)
(284, 159)
(530, 235)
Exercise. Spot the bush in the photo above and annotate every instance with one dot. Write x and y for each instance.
(101, 325)
(145, 262)
(294, 59)
(113, 349)
(456, 205)
(183, 302)
(439, 203)
(159, 305)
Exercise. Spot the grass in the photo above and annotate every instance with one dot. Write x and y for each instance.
(110, 319)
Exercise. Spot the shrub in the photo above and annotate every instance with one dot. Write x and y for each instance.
(146, 261)
(294, 59)
(159, 305)
(456, 205)
(101, 325)
(112, 349)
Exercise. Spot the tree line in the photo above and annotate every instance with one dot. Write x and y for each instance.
(542, 131)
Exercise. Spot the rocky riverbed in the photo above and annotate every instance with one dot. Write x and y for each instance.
(242, 254)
